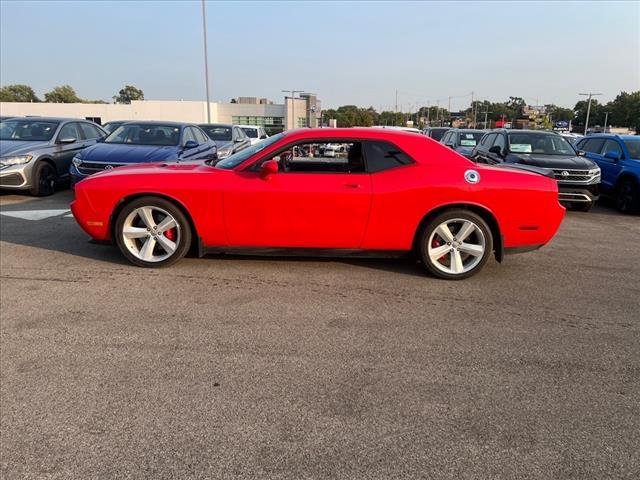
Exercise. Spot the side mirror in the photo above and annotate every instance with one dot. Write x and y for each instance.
(611, 155)
(270, 167)
(496, 149)
(581, 153)
(237, 140)
(67, 140)
(190, 144)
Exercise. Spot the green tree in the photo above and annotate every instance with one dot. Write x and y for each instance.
(596, 115)
(625, 110)
(129, 93)
(559, 113)
(62, 94)
(18, 93)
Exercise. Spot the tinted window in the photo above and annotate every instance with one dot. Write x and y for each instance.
(30, 130)
(447, 138)
(612, 146)
(592, 145)
(220, 133)
(437, 133)
(499, 141)
(145, 134)
(488, 140)
(634, 148)
(200, 136)
(382, 156)
(251, 132)
(70, 130)
(91, 131)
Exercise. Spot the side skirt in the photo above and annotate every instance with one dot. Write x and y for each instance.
(303, 252)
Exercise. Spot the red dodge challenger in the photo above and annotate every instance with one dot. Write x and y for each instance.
(313, 191)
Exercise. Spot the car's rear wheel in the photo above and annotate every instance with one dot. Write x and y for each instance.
(628, 196)
(44, 180)
(152, 232)
(455, 245)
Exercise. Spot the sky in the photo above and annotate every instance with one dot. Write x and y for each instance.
(356, 53)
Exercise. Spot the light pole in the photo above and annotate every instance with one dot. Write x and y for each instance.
(206, 63)
(486, 113)
(293, 94)
(606, 117)
(586, 123)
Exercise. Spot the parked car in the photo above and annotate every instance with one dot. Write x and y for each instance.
(111, 126)
(397, 192)
(435, 132)
(462, 140)
(618, 157)
(6, 117)
(572, 138)
(35, 153)
(255, 133)
(578, 177)
(144, 142)
(229, 138)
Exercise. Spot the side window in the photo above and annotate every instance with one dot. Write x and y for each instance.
(200, 136)
(236, 134)
(91, 131)
(593, 145)
(382, 156)
(323, 157)
(612, 146)
(188, 135)
(488, 140)
(447, 139)
(500, 141)
(70, 130)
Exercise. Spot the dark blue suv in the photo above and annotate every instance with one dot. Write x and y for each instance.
(618, 157)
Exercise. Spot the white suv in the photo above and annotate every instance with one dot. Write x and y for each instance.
(255, 133)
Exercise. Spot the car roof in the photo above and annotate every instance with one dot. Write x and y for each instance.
(51, 119)
(613, 135)
(349, 133)
(217, 125)
(249, 126)
(159, 122)
(517, 130)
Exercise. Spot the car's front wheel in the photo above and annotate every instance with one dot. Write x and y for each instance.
(44, 180)
(455, 245)
(152, 232)
(628, 196)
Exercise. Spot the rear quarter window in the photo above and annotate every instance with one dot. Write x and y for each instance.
(381, 156)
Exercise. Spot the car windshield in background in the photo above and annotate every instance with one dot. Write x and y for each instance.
(437, 134)
(539, 143)
(218, 133)
(251, 132)
(27, 130)
(110, 127)
(634, 148)
(470, 139)
(237, 158)
(144, 134)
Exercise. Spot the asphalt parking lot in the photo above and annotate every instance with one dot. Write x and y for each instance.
(242, 367)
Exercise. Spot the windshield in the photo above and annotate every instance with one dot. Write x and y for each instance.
(237, 158)
(251, 132)
(634, 148)
(29, 130)
(145, 134)
(470, 139)
(110, 127)
(540, 143)
(217, 132)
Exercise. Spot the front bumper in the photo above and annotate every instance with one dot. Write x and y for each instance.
(16, 177)
(578, 193)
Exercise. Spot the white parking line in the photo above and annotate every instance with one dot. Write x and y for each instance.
(36, 214)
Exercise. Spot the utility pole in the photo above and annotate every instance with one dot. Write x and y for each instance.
(293, 94)
(473, 111)
(396, 107)
(206, 62)
(586, 123)
(486, 113)
(449, 107)
(606, 117)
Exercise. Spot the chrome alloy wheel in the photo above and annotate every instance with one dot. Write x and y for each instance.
(456, 246)
(151, 234)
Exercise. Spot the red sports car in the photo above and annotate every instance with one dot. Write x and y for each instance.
(383, 191)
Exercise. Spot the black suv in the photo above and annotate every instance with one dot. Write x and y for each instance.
(578, 177)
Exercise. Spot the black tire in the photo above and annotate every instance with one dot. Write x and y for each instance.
(183, 230)
(628, 196)
(455, 215)
(44, 180)
(581, 206)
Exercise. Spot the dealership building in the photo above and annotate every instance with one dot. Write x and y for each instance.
(298, 112)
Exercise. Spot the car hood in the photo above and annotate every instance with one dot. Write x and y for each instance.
(19, 147)
(159, 168)
(552, 161)
(118, 153)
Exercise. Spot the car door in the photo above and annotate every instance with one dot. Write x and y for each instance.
(206, 149)
(64, 152)
(610, 168)
(482, 150)
(310, 209)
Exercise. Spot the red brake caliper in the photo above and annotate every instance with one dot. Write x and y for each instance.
(170, 234)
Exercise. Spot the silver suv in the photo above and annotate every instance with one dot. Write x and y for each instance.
(36, 152)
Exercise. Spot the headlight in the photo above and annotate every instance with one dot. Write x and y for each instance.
(224, 152)
(15, 160)
(595, 172)
(76, 162)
